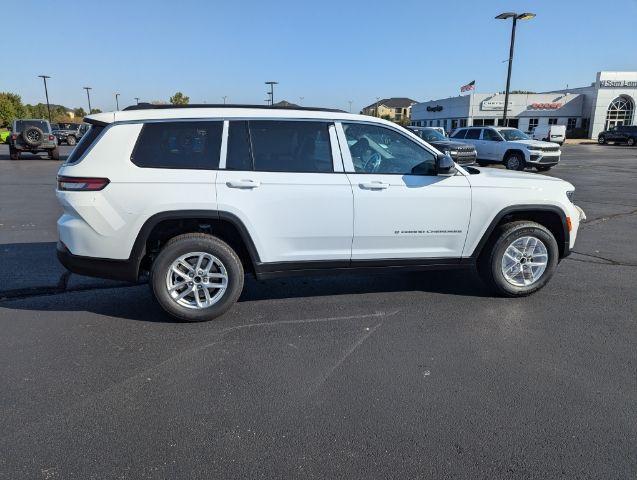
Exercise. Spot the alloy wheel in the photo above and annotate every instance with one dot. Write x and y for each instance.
(197, 280)
(524, 261)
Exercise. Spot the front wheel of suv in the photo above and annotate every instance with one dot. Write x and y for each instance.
(520, 259)
(601, 139)
(514, 161)
(196, 277)
(71, 140)
(630, 142)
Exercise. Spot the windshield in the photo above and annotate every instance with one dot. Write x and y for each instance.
(431, 135)
(511, 134)
(68, 126)
(21, 125)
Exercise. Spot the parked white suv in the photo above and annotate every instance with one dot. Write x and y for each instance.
(510, 146)
(197, 196)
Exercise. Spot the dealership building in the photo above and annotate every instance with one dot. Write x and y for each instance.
(586, 111)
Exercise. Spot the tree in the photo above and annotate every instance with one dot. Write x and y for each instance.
(179, 99)
(95, 110)
(10, 108)
(79, 112)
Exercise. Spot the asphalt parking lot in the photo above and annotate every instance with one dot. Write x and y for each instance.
(419, 375)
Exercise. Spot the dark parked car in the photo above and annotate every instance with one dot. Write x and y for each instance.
(619, 134)
(69, 133)
(462, 153)
(32, 136)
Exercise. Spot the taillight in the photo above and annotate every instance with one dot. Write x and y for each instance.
(14, 136)
(81, 184)
(51, 137)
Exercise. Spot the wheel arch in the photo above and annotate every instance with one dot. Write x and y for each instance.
(162, 226)
(550, 216)
(511, 151)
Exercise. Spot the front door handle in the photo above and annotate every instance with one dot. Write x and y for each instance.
(243, 183)
(376, 185)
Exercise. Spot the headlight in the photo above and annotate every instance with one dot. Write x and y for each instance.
(453, 152)
(570, 195)
(532, 147)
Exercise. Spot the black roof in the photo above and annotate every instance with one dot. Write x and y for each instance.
(150, 106)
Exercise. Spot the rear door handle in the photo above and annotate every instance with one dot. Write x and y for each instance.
(374, 185)
(243, 184)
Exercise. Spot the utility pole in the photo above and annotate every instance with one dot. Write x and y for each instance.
(88, 96)
(46, 93)
(117, 101)
(350, 106)
(272, 84)
(224, 99)
(515, 17)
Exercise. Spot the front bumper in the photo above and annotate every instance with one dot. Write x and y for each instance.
(537, 157)
(465, 158)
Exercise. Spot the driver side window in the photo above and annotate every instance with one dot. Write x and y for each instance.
(376, 149)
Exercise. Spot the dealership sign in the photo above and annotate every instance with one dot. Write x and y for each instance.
(618, 83)
(545, 106)
(437, 108)
(493, 105)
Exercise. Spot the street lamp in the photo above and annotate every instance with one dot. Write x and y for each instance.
(350, 106)
(46, 93)
(117, 101)
(515, 17)
(88, 96)
(224, 99)
(272, 84)
(137, 100)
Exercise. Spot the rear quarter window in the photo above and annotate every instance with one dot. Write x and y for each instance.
(459, 134)
(179, 145)
(85, 143)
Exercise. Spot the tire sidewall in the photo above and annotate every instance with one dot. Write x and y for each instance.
(520, 161)
(630, 142)
(601, 140)
(70, 140)
(500, 246)
(187, 244)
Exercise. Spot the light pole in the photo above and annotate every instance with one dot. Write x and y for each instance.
(377, 105)
(137, 100)
(88, 96)
(350, 106)
(515, 17)
(46, 93)
(224, 99)
(272, 84)
(117, 101)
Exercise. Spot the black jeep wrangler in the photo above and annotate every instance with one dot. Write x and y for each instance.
(69, 133)
(32, 136)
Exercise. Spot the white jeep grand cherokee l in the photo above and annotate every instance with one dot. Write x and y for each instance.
(197, 196)
(509, 146)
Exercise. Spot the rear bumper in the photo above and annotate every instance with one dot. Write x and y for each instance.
(125, 270)
(39, 148)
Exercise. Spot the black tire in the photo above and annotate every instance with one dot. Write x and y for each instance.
(630, 142)
(54, 154)
(490, 261)
(543, 168)
(33, 136)
(514, 161)
(71, 140)
(196, 242)
(601, 139)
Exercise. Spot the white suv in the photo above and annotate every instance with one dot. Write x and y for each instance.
(515, 149)
(197, 196)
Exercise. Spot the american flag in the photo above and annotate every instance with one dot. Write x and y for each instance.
(469, 86)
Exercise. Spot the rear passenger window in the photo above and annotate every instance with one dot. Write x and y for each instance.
(291, 146)
(459, 134)
(180, 145)
(239, 156)
(473, 134)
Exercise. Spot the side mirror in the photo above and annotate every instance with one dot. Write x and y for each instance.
(445, 165)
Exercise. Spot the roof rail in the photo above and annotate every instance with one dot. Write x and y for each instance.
(150, 106)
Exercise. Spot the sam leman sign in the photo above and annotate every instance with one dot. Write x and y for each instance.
(618, 83)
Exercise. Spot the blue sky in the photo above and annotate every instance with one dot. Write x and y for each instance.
(328, 52)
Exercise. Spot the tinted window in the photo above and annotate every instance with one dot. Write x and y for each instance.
(194, 145)
(21, 125)
(473, 134)
(85, 142)
(512, 134)
(290, 146)
(490, 135)
(459, 134)
(377, 149)
(239, 156)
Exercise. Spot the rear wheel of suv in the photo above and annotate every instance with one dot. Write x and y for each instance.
(601, 139)
(196, 277)
(520, 259)
(514, 161)
(71, 140)
(54, 154)
(630, 142)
